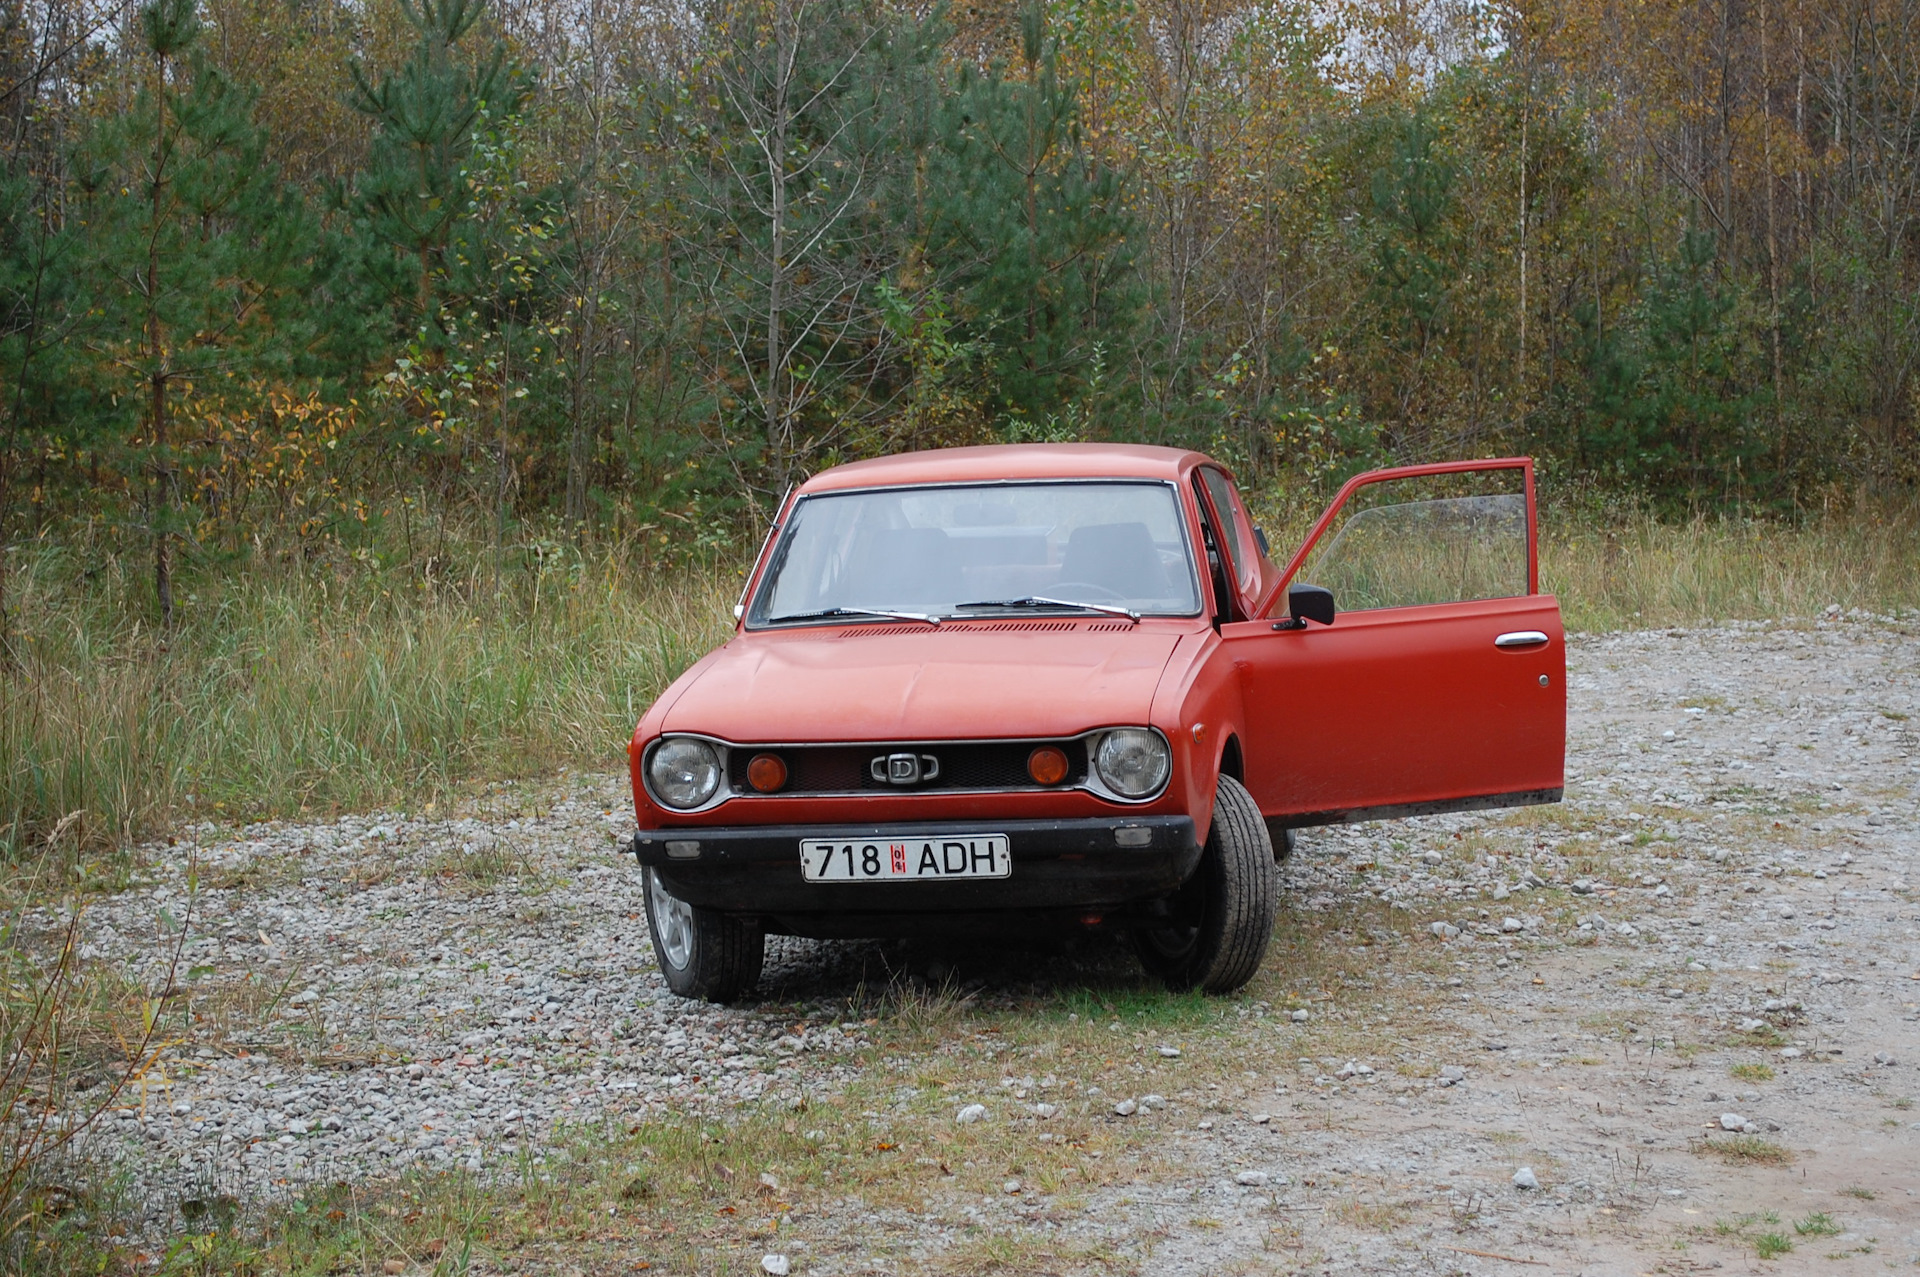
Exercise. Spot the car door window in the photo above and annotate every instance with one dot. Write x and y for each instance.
(1222, 542)
(1233, 515)
(1423, 539)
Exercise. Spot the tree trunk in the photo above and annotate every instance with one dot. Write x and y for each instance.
(162, 467)
(162, 497)
(779, 411)
(580, 433)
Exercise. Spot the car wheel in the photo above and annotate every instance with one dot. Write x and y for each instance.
(1222, 919)
(703, 954)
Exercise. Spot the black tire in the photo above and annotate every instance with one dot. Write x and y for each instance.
(702, 954)
(1222, 919)
(1282, 838)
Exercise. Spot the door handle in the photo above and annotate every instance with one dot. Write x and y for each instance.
(1521, 639)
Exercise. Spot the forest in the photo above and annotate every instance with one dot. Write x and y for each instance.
(288, 277)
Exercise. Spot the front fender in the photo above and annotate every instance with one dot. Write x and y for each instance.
(1199, 705)
(654, 721)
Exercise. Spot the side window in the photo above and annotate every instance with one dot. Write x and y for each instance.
(1222, 493)
(1421, 539)
(1223, 540)
(1233, 513)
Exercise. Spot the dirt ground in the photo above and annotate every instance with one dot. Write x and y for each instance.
(1686, 1001)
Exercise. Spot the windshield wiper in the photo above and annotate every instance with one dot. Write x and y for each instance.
(827, 613)
(1040, 600)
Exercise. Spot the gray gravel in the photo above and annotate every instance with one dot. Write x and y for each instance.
(385, 991)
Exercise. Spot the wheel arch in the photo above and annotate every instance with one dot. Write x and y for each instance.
(1232, 760)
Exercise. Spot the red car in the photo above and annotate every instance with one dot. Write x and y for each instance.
(991, 690)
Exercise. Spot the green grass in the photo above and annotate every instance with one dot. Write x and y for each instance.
(1818, 1224)
(1748, 1149)
(1772, 1245)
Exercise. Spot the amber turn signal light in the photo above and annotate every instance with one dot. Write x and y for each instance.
(767, 772)
(1047, 765)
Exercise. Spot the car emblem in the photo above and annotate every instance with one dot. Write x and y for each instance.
(904, 769)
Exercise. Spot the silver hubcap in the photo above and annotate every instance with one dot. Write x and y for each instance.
(672, 925)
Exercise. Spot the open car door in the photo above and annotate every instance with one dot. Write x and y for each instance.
(1441, 683)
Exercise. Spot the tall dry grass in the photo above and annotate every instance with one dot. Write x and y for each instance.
(286, 691)
(1642, 573)
(360, 683)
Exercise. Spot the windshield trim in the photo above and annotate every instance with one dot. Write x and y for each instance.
(778, 558)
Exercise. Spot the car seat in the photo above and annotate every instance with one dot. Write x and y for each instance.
(1119, 556)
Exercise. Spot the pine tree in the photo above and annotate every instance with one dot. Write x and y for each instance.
(1701, 409)
(410, 198)
(1414, 279)
(195, 250)
(1029, 229)
(37, 361)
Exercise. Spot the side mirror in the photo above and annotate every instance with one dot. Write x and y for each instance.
(1308, 603)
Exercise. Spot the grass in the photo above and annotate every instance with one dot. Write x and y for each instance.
(383, 677)
(1643, 573)
(1749, 1150)
(1818, 1224)
(1372, 1217)
(344, 686)
(1636, 572)
(1752, 1072)
(1770, 1244)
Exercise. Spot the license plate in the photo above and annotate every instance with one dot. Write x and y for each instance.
(905, 859)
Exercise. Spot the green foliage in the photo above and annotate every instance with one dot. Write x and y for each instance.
(648, 274)
(193, 254)
(1414, 276)
(1029, 228)
(411, 201)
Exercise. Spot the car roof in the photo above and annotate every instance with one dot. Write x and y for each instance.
(1010, 461)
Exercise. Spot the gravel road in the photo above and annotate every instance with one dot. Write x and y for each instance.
(1730, 883)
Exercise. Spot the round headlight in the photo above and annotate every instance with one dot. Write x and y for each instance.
(1133, 761)
(683, 772)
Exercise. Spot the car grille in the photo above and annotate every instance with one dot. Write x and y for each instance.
(964, 765)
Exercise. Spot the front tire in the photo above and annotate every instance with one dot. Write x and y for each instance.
(702, 954)
(1221, 921)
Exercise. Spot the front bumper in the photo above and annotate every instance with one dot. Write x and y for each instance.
(1064, 870)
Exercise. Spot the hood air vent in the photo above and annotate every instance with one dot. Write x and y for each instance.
(966, 627)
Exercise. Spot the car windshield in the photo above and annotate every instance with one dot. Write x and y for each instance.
(973, 550)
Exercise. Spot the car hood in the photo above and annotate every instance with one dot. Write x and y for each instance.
(919, 683)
